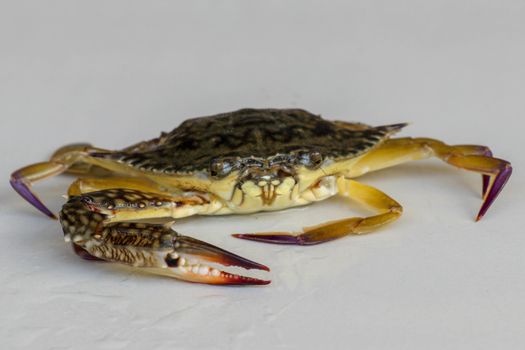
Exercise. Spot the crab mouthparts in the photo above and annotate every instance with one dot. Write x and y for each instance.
(268, 194)
(267, 190)
(192, 260)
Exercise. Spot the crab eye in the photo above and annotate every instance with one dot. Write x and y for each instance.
(311, 159)
(220, 167)
(316, 158)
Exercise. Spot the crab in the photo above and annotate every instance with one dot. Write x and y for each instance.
(240, 162)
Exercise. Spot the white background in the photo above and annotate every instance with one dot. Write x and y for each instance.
(117, 72)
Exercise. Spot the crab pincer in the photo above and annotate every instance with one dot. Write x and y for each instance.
(91, 222)
(192, 258)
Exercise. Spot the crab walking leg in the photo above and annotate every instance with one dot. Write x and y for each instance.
(479, 159)
(72, 158)
(85, 185)
(92, 222)
(22, 179)
(474, 150)
(401, 150)
(388, 210)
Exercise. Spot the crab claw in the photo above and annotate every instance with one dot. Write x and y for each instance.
(191, 262)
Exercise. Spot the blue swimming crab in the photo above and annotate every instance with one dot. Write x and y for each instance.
(246, 161)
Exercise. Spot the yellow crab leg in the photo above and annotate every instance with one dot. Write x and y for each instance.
(479, 159)
(85, 185)
(401, 150)
(72, 158)
(388, 210)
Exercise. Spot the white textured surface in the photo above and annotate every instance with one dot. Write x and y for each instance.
(116, 72)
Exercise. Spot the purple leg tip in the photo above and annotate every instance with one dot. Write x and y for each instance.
(23, 190)
(499, 183)
(277, 238)
(270, 238)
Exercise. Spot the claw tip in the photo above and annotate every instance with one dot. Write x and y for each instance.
(265, 268)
